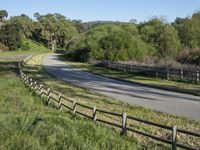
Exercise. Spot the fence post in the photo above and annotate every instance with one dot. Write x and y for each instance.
(74, 108)
(167, 74)
(35, 84)
(124, 123)
(48, 91)
(156, 73)
(42, 90)
(197, 76)
(181, 73)
(60, 103)
(174, 137)
(31, 83)
(26, 80)
(49, 98)
(94, 114)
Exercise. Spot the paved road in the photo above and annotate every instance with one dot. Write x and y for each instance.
(160, 100)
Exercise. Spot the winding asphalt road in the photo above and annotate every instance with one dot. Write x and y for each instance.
(160, 100)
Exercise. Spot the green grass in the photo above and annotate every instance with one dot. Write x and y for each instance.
(135, 77)
(35, 47)
(100, 101)
(27, 123)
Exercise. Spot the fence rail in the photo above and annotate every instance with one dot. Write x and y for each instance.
(44, 90)
(167, 73)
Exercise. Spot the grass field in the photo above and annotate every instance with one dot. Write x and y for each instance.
(34, 69)
(135, 77)
(26, 123)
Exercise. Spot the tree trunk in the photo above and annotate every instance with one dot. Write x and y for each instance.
(52, 43)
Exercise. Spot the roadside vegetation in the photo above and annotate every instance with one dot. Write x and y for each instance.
(179, 86)
(152, 42)
(35, 70)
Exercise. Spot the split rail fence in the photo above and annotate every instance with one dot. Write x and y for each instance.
(169, 74)
(43, 90)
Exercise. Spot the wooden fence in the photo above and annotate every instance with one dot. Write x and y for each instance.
(55, 96)
(169, 74)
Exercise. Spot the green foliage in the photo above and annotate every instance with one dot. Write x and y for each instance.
(56, 29)
(100, 40)
(162, 36)
(3, 47)
(3, 14)
(25, 24)
(110, 42)
(26, 46)
(10, 35)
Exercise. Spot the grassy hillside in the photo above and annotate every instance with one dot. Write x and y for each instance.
(35, 47)
(26, 123)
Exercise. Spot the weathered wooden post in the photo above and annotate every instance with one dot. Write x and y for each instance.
(94, 114)
(48, 91)
(49, 96)
(48, 99)
(156, 73)
(197, 76)
(25, 81)
(74, 107)
(59, 100)
(181, 73)
(174, 137)
(31, 83)
(109, 64)
(124, 123)
(167, 74)
(35, 84)
(42, 91)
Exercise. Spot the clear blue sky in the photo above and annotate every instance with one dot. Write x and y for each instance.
(116, 10)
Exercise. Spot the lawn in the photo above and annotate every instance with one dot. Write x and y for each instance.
(35, 70)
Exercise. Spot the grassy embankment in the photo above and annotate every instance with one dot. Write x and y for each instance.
(35, 48)
(135, 77)
(34, 69)
(26, 123)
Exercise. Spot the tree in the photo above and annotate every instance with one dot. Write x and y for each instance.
(162, 36)
(10, 35)
(182, 26)
(56, 29)
(25, 24)
(3, 14)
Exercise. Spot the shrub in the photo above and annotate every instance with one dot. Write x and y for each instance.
(25, 46)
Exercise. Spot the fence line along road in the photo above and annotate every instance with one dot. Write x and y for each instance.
(169, 74)
(55, 96)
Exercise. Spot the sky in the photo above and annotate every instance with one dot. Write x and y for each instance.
(113, 10)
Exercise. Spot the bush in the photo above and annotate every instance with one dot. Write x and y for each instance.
(3, 47)
(25, 46)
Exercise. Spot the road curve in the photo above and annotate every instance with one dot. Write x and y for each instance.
(161, 100)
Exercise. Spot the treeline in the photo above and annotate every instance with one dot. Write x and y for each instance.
(150, 41)
(53, 30)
